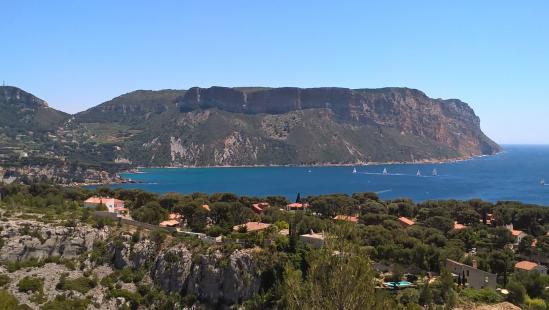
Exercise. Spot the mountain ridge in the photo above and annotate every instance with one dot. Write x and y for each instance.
(241, 126)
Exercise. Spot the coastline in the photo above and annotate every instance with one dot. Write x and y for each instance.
(371, 163)
(138, 170)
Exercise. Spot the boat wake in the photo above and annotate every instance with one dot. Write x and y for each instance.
(384, 191)
(398, 174)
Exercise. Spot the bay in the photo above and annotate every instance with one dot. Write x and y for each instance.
(514, 174)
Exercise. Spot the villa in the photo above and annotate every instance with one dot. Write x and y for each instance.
(474, 277)
(113, 205)
(518, 234)
(297, 206)
(316, 241)
(405, 222)
(260, 207)
(458, 226)
(530, 266)
(252, 226)
(174, 220)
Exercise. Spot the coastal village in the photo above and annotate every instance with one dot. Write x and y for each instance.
(468, 276)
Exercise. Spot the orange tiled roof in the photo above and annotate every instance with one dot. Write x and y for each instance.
(458, 226)
(348, 218)
(526, 265)
(206, 207)
(297, 205)
(252, 226)
(259, 207)
(169, 223)
(406, 221)
(516, 232)
(98, 200)
(174, 216)
(95, 200)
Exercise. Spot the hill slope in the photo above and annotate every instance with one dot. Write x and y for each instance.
(270, 126)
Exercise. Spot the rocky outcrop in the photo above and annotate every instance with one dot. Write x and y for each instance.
(25, 240)
(213, 278)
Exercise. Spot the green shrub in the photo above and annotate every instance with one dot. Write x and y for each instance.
(535, 303)
(109, 281)
(9, 302)
(63, 303)
(4, 279)
(486, 295)
(134, 298)
(127, 275)
(33, 284)
(100, 253)
(517, 293)
(81, 284)
(29, 263)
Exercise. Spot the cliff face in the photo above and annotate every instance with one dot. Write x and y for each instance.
(213, 278)
(450, 126)
(259, 126)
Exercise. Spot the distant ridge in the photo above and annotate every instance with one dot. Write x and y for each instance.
(221, 126)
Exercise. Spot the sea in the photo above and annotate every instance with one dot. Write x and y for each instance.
(515, 174)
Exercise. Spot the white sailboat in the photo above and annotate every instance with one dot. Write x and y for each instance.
(354, 170)
(435, 172)
(418, 173)
(542, 182)
(385, 172)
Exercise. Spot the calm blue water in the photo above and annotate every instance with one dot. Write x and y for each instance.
(512, 175)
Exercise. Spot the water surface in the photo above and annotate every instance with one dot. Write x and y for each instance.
(514, 174)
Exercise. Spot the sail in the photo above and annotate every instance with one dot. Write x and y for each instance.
(435, 172)
(385, 171)
(354, 170)
(418, 173)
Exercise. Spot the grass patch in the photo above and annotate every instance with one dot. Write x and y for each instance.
(488, 296)
(9, 302)
(64, 303)
(4, 279)
(32, 262)
(32, 284)
(81, 284)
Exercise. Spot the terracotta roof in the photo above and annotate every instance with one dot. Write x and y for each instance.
(169, 223)
(458, 226)
(348, 218)
(297, 205)
(98, 200)
(516, 233)
(526, 265)
(534, 243)
(206, 207)
(252, 226)
(174, 216)
(259, 207)
(406, 221)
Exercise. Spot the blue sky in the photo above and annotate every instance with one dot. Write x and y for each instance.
(492, 54)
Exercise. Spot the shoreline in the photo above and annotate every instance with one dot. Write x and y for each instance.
(371, 163)
(137, 170)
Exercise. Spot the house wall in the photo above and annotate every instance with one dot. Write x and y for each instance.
(314, 242)
(475, 278)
